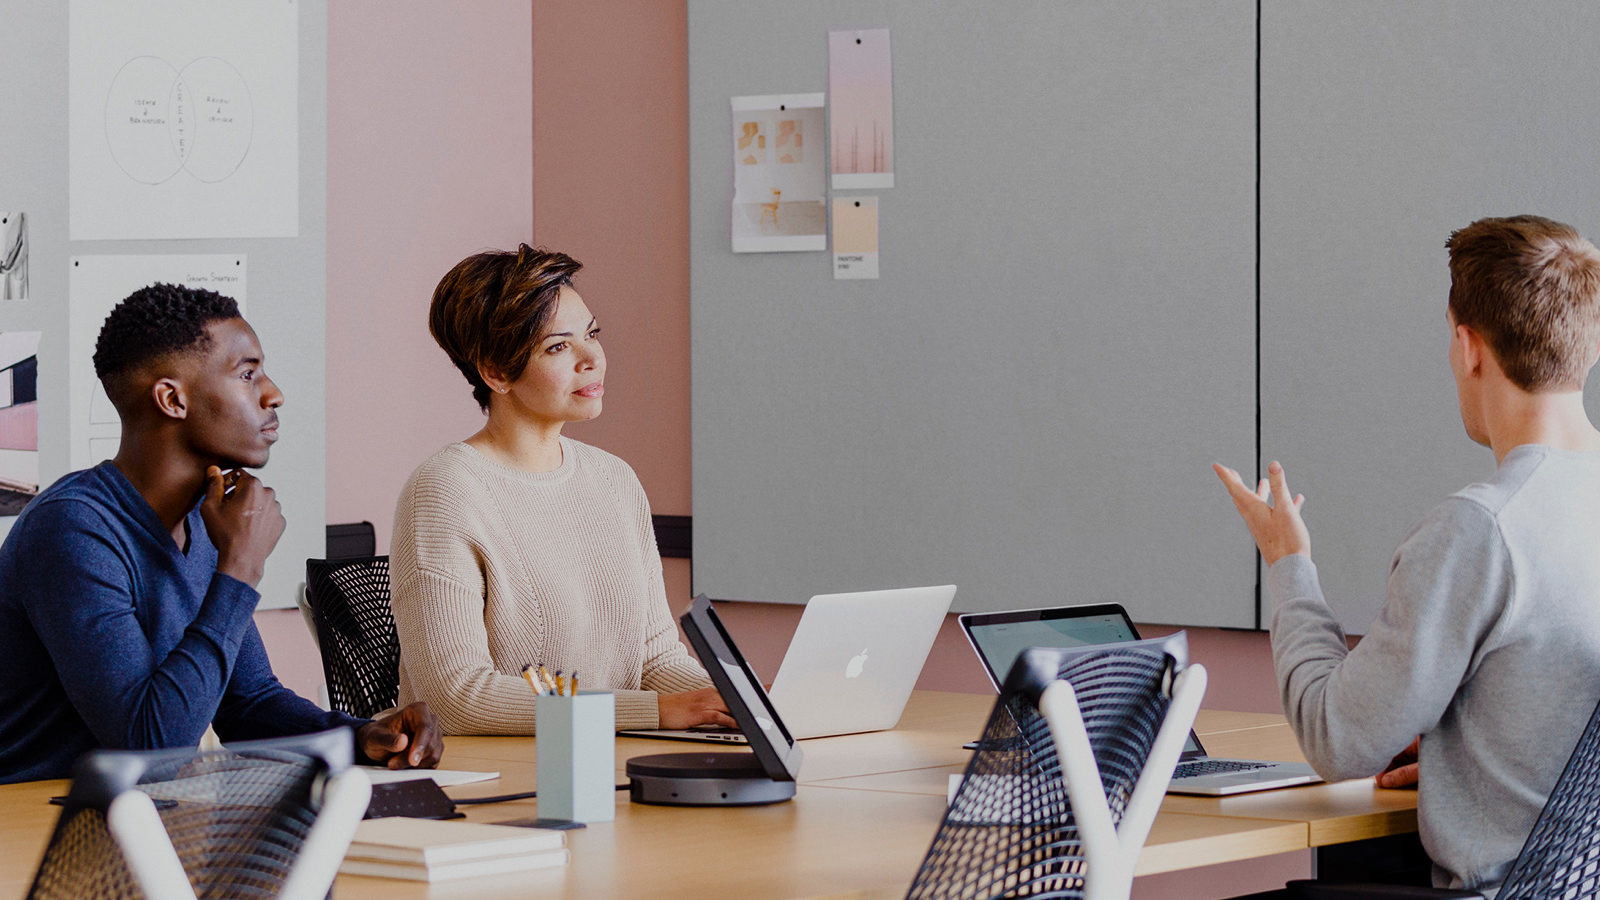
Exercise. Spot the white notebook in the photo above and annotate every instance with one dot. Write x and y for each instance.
(436, 841)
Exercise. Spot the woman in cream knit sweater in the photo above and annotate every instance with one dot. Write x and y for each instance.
(519, 545)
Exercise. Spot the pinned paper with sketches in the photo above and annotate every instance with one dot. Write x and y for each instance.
(19, 421)
(13, 256)
(95, 285)
(855, 237)
(183, 119)
(861, 87)
(779, 186)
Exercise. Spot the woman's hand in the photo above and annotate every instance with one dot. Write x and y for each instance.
(691, 708)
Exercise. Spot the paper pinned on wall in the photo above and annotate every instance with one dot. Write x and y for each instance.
(779, 181)
(19, 421)
(183, 119)
(861, 123)
(13, 256)
(95, 285)
(855, 237)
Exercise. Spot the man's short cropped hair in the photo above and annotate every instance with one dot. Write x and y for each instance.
(1531, 287)
(154, 322)
(491, 309)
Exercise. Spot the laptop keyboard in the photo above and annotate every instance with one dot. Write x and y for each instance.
(1215, 767)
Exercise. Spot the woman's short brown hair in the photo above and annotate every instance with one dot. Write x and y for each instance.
(489, 310)
(1531, 287)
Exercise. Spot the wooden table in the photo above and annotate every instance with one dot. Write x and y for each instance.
(864, 815)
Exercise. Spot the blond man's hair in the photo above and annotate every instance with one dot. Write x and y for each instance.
(1530, 287)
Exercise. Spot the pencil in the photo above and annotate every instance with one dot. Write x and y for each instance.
(573, 683)
(528, 676)
(561, 687)
(544, 675)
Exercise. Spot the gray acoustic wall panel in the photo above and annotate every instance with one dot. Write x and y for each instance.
(286, 283)
(1062, 340)
(1385, 126)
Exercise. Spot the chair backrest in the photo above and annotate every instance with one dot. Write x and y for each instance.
(261, 819)
(349, 601)
(350, 540)
(1561, 857)
(1114, 717)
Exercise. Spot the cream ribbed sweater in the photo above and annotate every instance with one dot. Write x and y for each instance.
(494, 568)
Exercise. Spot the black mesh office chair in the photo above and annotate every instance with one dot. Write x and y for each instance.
(1560, 859)
(261, 819)
(349, 600)
(1068, 775)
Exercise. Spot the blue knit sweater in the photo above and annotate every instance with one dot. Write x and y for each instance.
(113, 636)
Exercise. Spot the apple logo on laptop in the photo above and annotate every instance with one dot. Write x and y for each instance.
(856, 664)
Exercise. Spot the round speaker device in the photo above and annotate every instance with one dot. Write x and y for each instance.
(704, 779)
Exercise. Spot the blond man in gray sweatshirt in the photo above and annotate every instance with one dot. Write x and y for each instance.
(1488, 646)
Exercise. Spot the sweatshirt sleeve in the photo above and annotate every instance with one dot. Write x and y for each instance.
(1353, 710)
(79, 596)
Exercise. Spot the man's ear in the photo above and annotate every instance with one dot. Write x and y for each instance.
(169, 398)
(1473, 349)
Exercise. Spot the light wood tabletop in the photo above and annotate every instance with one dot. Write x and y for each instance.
(865, 812)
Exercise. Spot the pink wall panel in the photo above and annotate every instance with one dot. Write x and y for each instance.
(611, 187)
(430, 147)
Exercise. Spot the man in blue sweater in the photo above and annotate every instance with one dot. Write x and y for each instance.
(127, 590)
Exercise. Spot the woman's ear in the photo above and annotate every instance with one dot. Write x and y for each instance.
(496, 382)
(169, 398)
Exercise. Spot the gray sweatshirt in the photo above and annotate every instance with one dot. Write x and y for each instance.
(1488, 647)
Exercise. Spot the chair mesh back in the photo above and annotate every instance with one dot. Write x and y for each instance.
(1561, 857)
(237, 822)
(355, 631)
(1009, 832)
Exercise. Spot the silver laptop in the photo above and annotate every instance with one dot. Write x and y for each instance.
(998, 638)
(851, 664)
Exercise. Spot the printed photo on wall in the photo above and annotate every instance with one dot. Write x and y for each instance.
(861, 88)
(855, 237)
(19, 420)
(779, 187)
(13, 256)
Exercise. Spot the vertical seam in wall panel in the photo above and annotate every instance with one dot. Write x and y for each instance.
(1258, 292)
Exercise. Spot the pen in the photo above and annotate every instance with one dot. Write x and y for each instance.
(527, 675)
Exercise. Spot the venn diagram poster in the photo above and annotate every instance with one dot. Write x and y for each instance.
(184, 119)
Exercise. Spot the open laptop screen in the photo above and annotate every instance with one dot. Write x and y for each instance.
(999, 638)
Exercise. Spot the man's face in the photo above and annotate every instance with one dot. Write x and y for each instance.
(233, 405)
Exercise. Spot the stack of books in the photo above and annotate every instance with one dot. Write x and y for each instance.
(433, 850)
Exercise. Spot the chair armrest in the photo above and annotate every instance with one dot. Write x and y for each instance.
(1319, 890)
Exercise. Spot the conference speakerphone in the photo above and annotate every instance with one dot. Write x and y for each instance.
(766, 774)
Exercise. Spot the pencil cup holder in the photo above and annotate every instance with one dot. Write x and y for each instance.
(575, 741)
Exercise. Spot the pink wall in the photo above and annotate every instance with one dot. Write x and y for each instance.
(611, 187)
(430, 139)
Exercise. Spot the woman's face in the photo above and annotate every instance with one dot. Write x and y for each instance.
(565, 376)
